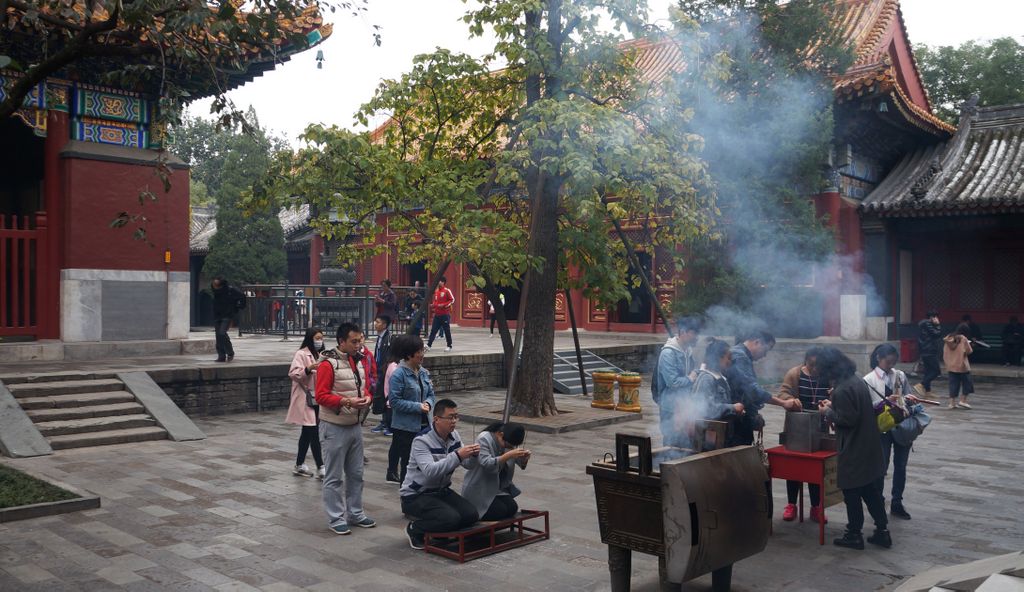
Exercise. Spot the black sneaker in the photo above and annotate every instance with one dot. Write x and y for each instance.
(880, 538)
(392, 478)
(415, 540)
(850, 540)
(899, 511)
(231, 357)
(221, 360)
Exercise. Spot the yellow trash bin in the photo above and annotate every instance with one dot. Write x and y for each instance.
(604, 389)
(629, 392)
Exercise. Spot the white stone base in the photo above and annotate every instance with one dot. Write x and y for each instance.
(123, 305)
(853, 315)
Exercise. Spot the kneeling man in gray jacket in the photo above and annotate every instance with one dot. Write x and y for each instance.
(426, 492)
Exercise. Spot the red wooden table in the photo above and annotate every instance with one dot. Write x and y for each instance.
(818, 468)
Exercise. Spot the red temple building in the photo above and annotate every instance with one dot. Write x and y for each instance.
(76, 155)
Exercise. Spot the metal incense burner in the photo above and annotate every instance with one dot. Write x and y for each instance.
(698, 511)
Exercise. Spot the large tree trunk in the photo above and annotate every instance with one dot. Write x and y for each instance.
(534, 388)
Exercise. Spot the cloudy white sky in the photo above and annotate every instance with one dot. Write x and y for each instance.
(296, 94)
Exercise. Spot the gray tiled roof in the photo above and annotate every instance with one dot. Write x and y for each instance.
(203, 226)
(979, 169)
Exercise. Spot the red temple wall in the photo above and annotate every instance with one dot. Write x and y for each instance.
(96, 191)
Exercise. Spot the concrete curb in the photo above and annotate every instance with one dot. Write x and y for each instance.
(84, 501)
(18, 435)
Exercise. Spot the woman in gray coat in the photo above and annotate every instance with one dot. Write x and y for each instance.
(860, 462)
(488, 485)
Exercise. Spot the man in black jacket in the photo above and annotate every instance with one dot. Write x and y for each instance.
(382, 355)
(227, 301)
(929, 346)
(1013, 340)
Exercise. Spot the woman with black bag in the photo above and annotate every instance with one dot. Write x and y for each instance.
(411, 395)
(302, 408)
(889, 384)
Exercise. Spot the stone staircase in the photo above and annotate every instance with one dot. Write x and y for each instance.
(567, 373)
(75, 410)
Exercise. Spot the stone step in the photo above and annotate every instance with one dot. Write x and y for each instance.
(65, 387)
(66, 413)
(94, 424)
(76, 400)
(108, 437)
(54, 377)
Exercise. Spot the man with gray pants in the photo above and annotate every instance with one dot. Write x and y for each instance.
(341, 391)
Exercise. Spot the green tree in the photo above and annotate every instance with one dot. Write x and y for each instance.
(249, 244)
(566, 139)
(768, 129)
(994, 71)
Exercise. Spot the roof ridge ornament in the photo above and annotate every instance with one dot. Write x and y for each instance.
(969, 108)
(920, 188)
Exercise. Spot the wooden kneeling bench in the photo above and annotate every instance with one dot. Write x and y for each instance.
(486, 538)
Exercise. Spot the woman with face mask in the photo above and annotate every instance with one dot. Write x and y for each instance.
(300, 410)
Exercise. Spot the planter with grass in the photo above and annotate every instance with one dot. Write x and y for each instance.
(24, 496)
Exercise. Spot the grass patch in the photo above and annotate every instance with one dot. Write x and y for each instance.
(19, 489)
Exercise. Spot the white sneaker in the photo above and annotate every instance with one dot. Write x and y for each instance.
(448, 349)
(321, 473)
(426, 348)
(302, 471)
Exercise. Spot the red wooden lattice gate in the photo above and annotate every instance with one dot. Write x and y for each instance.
(22, 258)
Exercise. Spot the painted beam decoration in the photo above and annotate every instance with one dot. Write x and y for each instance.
(106, 116)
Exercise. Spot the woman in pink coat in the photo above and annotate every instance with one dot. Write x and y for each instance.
(299, 413)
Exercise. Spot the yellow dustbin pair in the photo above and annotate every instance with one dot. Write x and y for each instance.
(604, 391)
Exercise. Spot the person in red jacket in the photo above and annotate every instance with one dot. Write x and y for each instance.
(441, 308)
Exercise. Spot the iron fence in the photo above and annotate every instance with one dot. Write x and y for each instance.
(288, 309)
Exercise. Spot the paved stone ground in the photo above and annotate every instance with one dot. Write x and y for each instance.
(227, 514)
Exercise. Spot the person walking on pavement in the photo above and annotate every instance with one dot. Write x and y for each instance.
(1013, 341)
(342, 391)
(227, 301)
(441, 308)
(300, 412)
(955, 355)
(929, 344)
(386, 300)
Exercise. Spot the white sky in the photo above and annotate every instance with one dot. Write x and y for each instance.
(296, 93)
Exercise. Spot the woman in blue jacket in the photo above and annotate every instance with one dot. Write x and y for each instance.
(411, 396)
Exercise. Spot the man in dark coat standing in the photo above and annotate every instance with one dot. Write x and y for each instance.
(747, 390)
(227, 301)
(929, 346)
(860, 461)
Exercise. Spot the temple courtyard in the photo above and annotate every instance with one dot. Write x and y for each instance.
(226, 513)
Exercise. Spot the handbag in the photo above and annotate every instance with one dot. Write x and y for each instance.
(913, 426)
(887, 415)
(310, 398)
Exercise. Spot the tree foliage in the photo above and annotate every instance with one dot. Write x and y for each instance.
(768, 128)
(518, 171)
(994, 71)
(249, 244)
(144, 43)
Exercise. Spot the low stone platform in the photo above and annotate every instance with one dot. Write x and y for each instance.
(485, 407)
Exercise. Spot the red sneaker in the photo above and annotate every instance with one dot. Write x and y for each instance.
(818, 514)
(789, 514)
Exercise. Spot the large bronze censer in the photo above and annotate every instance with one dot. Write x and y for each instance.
(698, 511)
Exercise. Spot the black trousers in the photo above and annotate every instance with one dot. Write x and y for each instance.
(441, 511)
(793, 490)
(309, 439)
(224, 347)
(872, 497)
(398, 454)
(931, 370)
(442, 323)
(1011, 354)
(503, 506)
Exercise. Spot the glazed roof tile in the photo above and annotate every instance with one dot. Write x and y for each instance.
(979, 169)
(203, 227)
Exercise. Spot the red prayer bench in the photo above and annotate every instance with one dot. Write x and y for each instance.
(485, 538)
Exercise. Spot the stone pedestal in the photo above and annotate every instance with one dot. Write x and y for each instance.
(853, 314)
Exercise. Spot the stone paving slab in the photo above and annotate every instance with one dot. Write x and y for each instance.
(226, 513)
